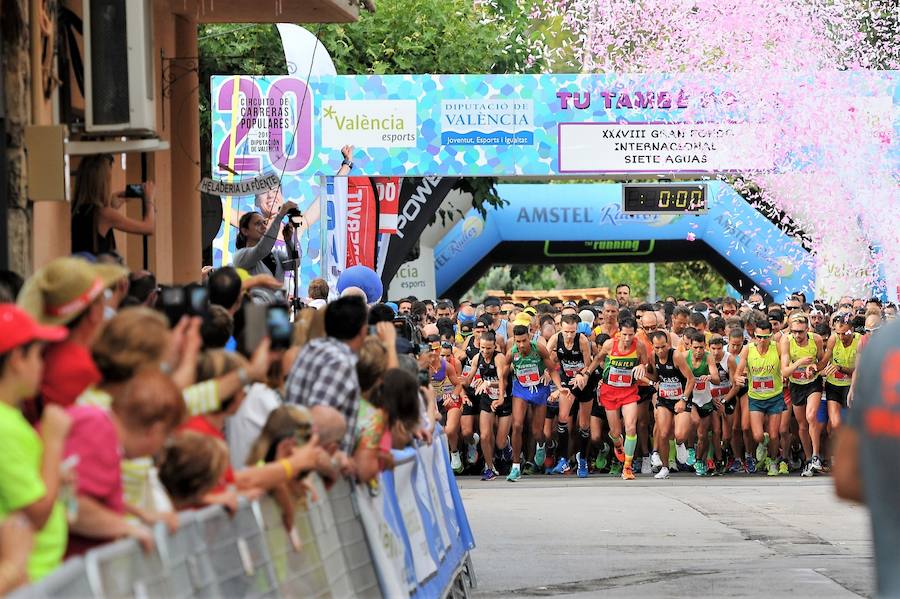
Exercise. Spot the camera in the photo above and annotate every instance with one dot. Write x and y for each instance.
(134, 190)
(295, 217)
(176, 302)
(424, 378)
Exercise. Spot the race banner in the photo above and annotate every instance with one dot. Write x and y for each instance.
(427, 493)
(423, 561)
(442, 482)
(361, 222)
(382, 527)
(418, 202)
(388, 191)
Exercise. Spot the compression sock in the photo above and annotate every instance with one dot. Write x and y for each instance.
(671, 447)
(585, 438)
(630, 445)
(562, 440)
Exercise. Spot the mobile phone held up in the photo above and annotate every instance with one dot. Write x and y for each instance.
(176, 302)
(279, 327)
(134, 190)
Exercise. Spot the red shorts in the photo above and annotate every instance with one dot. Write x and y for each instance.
(454, 404)
(613, 398)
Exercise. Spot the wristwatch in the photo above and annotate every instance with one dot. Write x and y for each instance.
(347, 163)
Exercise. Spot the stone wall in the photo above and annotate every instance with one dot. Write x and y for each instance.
(17, 101)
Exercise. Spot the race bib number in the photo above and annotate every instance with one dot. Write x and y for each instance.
(670, 390)
(764, 383)
(801, 374)
(528, 376)
(840, 376)
(719, 391)
(620, 377)
(572, 368)
(467, 369)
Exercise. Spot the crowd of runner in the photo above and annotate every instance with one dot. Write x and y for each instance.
(123, 402)
(624, 387)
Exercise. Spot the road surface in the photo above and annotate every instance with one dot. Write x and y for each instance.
(686, 536)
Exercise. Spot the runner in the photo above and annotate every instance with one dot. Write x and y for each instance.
(759, 367)
(487, 376)
(837, 366)
(529, 359)
(723, 395)
(572, 351)
(801, 351)
(610, 324)
(648, 324)
(500, 324)
(741, 433)
(673, 381)
(625, 362)
(706, 374)
(464, 352)
(447, 387)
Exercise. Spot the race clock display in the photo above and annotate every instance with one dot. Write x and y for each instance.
(664, 198)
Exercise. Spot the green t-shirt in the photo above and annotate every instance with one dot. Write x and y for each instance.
(21, 485)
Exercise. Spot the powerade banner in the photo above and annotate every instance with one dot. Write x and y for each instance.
(418, 203)
(498, 125)
(585, 222)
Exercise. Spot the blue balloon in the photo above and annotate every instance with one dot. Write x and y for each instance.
(363, 277)
(584, 328)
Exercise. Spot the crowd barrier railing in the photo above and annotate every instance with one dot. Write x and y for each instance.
(407, 536)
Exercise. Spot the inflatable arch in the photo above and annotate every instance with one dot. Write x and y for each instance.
(577, 223)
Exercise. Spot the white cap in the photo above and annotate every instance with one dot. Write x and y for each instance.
(586, 316)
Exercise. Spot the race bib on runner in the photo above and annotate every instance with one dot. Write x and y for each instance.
(801, 374)
(620, 377)
(528, 376)
(764, 383)
(670, 390)
(719, 391)
(572, 368)
(840, 376)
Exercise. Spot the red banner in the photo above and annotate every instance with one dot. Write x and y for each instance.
(361, 226)
(388, 189)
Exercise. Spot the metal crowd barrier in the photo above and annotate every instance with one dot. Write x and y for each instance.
(349, 541)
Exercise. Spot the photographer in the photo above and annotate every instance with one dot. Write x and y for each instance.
(256, 251)
(95, 211)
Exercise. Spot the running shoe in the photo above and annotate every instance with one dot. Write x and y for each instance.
(638, 464)
(663, 473)
(539, 454)
(736, 466)
(691, 456)
(816, 464)
(646, 466)
(627, 474)
(772, 469)
(700, 468)
(750, 466)
(582, 466)
(507, 452)
(673, 464)
(655, 462)
(794, 464)
(456, 462)
(681, 454)
(808, 470)
(514, 474)
(602, 458)
(488, 474)
(710, 465)
(783, 467)
(472, 449)
(620, 453)
(561, 467)
(762, 449)
(529, 469)
(615, 469)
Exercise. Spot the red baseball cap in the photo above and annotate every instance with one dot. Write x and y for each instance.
(18, 328)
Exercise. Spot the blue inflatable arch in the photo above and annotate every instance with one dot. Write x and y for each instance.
(577, 223)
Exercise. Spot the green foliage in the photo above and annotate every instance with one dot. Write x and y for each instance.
(690, 280)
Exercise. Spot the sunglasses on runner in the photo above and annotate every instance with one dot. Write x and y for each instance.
(763, 336)
(798, 332)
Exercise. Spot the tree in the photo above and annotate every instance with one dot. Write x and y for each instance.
(691, 280)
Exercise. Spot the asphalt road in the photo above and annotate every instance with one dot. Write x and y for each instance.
(686, 536)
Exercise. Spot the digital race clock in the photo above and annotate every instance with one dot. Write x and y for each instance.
(663, 198)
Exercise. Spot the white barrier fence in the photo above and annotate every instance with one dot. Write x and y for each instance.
(407, 537)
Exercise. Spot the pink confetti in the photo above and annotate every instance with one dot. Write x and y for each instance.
(691, 237)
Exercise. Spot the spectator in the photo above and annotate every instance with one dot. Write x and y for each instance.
(16, 543)
(95, 209)
(69, 292)
(216, 364)
(191, 467)
(372, 430)
(224, 285)
(30, 466)
(142, 290)
(217, 327)
(256, 252)
(137, 425)
(318, 293)
(399, 396)
(324, 373)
